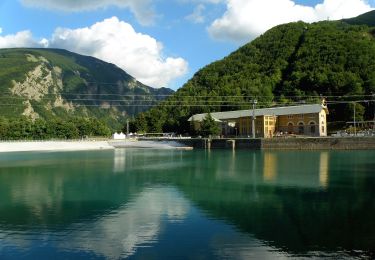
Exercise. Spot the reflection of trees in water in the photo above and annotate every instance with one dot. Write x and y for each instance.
(294, 201)
(307, 200)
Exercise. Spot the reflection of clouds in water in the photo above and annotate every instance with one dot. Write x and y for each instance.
(119, 160)
(38, 194)
(140, 222)
(239, 246)
(115, 235)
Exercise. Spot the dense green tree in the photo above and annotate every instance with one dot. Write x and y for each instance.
(20, 128)
(62, 129)
(140, 124)
(98, 128)
(209, 127)
(40, 130)
(4, 128)
(56, 128)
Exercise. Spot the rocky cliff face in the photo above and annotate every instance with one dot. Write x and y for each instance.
(46, 83)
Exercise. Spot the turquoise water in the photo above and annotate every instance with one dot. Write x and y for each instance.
(167, 204)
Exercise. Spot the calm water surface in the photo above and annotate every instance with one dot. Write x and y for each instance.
(166, 204)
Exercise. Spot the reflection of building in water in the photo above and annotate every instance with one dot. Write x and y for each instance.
(119, 160)
(226, 166)
(269, 166)
(323, 169)
(296, 169)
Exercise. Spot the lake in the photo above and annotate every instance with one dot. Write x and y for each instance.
(170, 204)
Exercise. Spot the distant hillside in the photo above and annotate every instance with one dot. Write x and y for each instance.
(53, 83)
(364, 19)
(290, 63)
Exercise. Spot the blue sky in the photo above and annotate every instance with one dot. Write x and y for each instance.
(160, 42)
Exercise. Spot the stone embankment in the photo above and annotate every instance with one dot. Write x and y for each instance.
(296, 143)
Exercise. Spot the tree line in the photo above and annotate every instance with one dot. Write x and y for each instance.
(24, 128)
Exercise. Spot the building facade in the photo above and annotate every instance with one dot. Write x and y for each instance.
(305, 120)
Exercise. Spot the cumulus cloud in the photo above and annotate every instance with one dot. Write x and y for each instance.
(20, 39)
(117, 42)
(246, 19)
(197, 15)
(142, 9)
(113, 41)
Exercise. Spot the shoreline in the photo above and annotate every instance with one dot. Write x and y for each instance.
(292, 143)
(85, 145)
(324, 143)
(53, 146)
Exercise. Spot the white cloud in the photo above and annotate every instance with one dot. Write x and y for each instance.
(142, 9)
(115, 41)
(246, 19)
(20, 39)
(197, 15)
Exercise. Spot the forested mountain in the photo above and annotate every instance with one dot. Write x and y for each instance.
(290, 63)
(364, 19)
(49, 84)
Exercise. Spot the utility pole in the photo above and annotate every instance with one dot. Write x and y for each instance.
(253, 125)
(127, 127)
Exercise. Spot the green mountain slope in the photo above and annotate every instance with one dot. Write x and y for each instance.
(53, 83)
(363, 19)
(295, 62)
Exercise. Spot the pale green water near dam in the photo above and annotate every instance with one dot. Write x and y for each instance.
(169, 204)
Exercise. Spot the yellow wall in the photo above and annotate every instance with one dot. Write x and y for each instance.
(296, 120)
(269, 126)
(265, 126)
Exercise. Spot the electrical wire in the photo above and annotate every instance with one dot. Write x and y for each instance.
(205, 104)
(199, 96)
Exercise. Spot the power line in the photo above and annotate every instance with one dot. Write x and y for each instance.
(206, 104)
(200, 96)
(224, 98)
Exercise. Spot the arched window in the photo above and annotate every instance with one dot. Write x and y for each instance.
(301, 129)
(290, 127)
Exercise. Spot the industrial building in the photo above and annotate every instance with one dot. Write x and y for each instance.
(306, 120)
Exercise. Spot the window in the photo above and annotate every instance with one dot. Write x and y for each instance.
(300, 116)
(322, 129)
(301, 129)
(312, 127)
(290, 128)
(290, 116)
